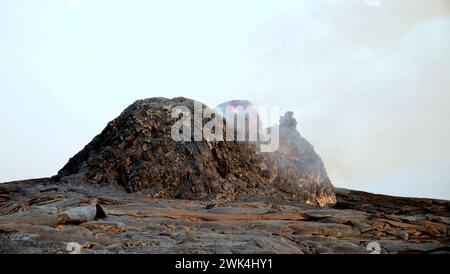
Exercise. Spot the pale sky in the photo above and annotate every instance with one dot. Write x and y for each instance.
(369, 84)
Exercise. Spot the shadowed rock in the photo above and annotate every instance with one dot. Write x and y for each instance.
(299, 169)
(258, 199)
(136, 151)
(81, 214)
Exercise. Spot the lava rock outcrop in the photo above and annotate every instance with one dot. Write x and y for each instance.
(300, 171)
(136, 151)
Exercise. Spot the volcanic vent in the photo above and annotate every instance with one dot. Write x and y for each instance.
(300, 170)
(136, 151)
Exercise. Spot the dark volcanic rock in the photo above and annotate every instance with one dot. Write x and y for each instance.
(136, 151)
(299, 169)
(134, 223)
(84, 205)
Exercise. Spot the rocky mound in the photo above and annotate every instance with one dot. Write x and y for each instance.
(136, 151)
(300, 170)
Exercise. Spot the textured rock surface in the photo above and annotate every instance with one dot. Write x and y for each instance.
(299, 169)
(135, 190)
(136, 151)
(136, 224)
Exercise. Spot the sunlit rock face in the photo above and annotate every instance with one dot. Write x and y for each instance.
(137, 151)
(299, 169)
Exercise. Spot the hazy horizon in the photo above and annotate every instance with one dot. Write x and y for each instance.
(369, 84)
